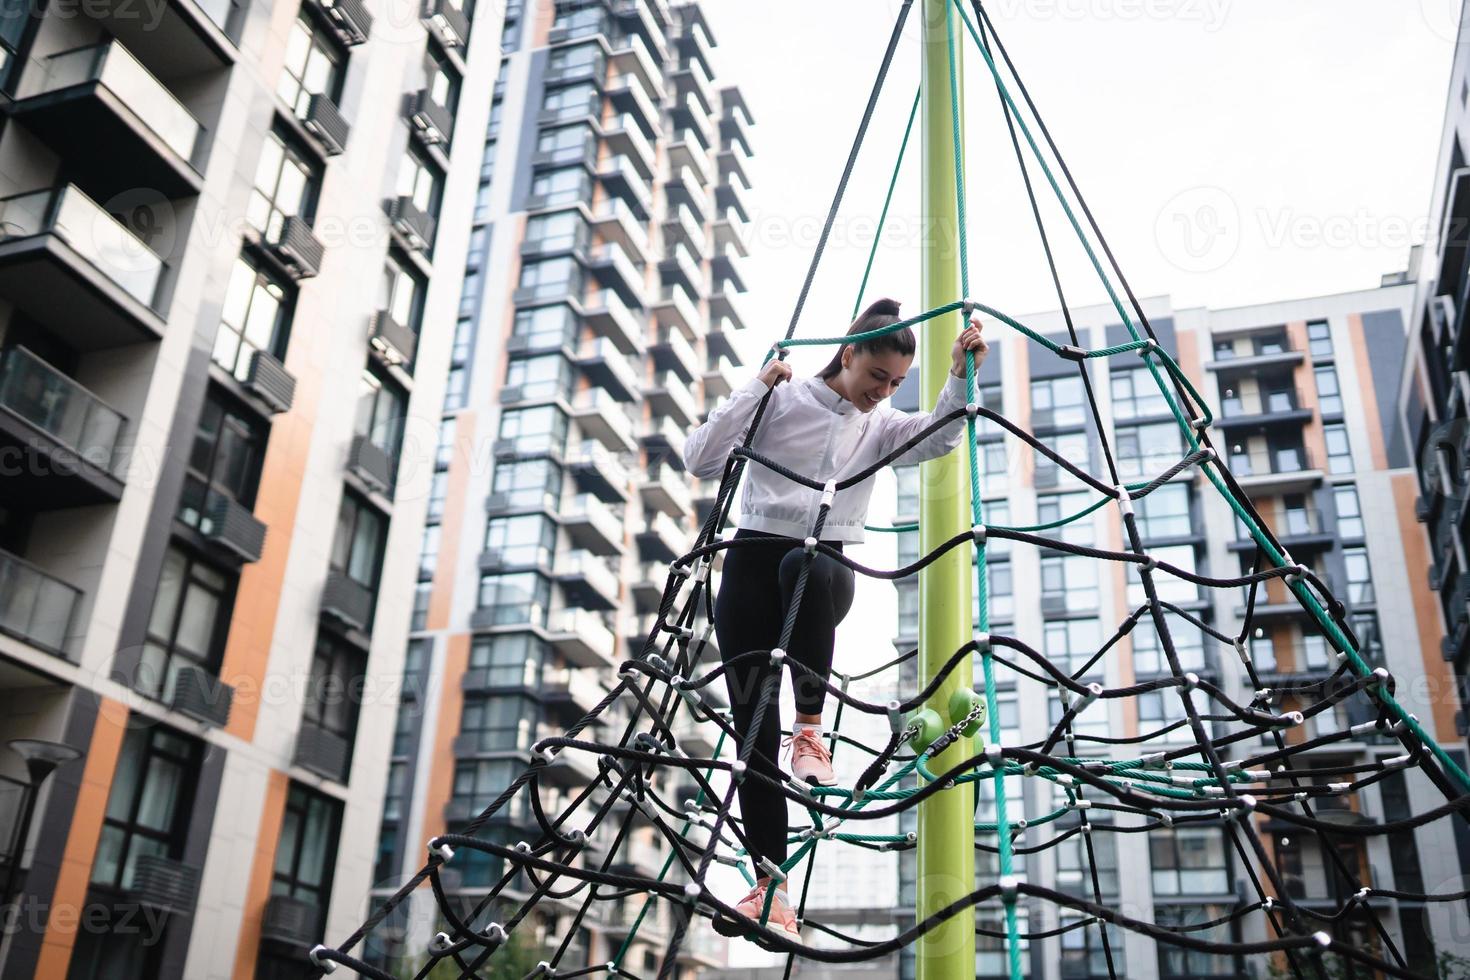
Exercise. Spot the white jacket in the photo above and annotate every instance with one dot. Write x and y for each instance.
(816, 432)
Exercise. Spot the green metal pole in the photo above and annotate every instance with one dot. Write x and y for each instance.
(946, 842)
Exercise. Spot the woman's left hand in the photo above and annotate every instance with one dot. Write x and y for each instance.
(969, 339)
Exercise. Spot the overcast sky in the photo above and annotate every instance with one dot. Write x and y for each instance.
(1234, 152)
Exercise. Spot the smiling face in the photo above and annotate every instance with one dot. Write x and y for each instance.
(868, 378)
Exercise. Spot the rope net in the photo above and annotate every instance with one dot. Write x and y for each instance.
(1218, 763)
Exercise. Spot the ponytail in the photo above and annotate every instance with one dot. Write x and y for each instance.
(879, 314)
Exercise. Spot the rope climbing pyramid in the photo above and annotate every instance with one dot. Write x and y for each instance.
(1220, 764)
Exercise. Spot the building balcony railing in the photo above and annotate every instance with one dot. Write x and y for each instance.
(447, 21)
(616, 223)
(582, 638)
(729, 195)
(1275, 471)
(607, 368)
(661, 539)
(414, 226)
(671, 352)
(683, 187)
(679, 267)
(593, 525)
(59, 408)
(230, 526)
(691, 118)
(160, 883)
(637, 18)
(614, 270)
(200, 694)
(725, 269)
(293, 245)
(621, 177)
(690, 79)
(347, 600)
(720, 342)
(323, 120)
(349, 19)
(1299, 531)
(370, 463)
(604, 418)
(393, 343)
(647, 586)
(99, 101)
(1276, 352)
(669, 395)
(268, 379)
(628, 96)
(631, 56)
(573, 688)
(624, 137)
(35, 606)
(598, 472)
(677, 309)
(725, 305)
(667, 491)
(58, 242)
(431, 123)
(681, 227)
(730, 231)
(734, 130)
(322, 752)
(665, 438)
(720, 379)
(731, 160)
(587, 580)
(291, 921)
(693, 41)
(609, 317)
(1265, 409)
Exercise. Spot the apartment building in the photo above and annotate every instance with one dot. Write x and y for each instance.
(598, 320)
(226, 294)
(1303, 394)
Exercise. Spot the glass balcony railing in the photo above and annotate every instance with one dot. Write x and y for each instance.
(33, 605)
(54, 403)
(96, 235)
(113, 67)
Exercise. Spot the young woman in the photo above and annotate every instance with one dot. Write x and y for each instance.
(826, 427)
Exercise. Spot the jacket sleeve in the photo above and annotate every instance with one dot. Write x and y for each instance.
(709, 446)
(903, 426)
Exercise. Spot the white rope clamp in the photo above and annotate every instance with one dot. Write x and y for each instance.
(967, 306)
(895, 716)
(982, 642)
(445, 852)
(778, 657)
(1242, 652)
(972, 410)
(1125, 500)
(828, 492)
(495, 932)
(809, 546)
(1150, 346)
(325, 965)
(978, 534)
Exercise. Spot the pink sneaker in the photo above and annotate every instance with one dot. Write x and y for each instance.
(782, 917)
(810, 760)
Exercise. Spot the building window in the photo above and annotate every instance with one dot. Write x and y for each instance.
(357, 550)
(995, 469)
(558, 230)
(1339, 454)
(400, 293)
(1083, 956)
(419, 618)
(1162, 709)
(540, 378)
(308, 849)
(1319, 338)
(455, 388)
(499, 723)
(1053, 507)
(382, 407)
(1002, 591)
(1189, 860)
(443, 80)
(429, 551)
(313, 66)
(1068, 584)
(444, 452)
(1164, 513)
(224, 458)
(991, 396)
(1148, 450)
(1071, 643)
(535, 430)
(1148, 652)
(1359, 576)
(1349, 511)
(438, 493)
(420, 180)
(1329, 396)
(528, 483)
(997, 513)
(1168, 586)
(509, 660)
(1136, 395)
(149, 804)
(521, 597)
(286, 184)
(527, 539)
(334, 691)
(579, 136)
(187, 624)
(1058, 402)
(255, 317)
(1176, 963)
(562, 186)
(577, 20)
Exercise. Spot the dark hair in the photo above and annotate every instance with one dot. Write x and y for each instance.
(879, 314)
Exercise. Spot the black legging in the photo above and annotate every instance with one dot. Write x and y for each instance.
(755, 592)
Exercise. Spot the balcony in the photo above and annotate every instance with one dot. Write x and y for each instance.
(676, 308)
(324, 121)
(1275, 472)
(350, 20)
(631, 57)
(620, 176)
(115, 124)
(430, 122)
(730, 196)
(291, 922)
(725, 267)
(720, 379)
(683, 187)
(731, 160)
(231, 527)
(664, 438)
(637, 18)
(267, 379)
(159, 883)
(189, 36)
(668, 395)
(608, 369)
(391, 341)
(680, 268)
(614, 270)
(587, 580)
(64, 437)
(574, 689)
(694, 41)
(682, 228)
(690, 79)
(629, 97)
(735, 129)
(447, 22)
(293, 247)
(34, 606)
(593, 525)
(616, 223)
(693, 121)
(720, 342)
(610, 318)
(662, 539)
(367, 460)
(75, 268)
(667, 491)
(201, 695)
(347, 600)
(1260, 412)
(596, 471)
(1248, 356)
(1299, 531)
(414, 227)
(571, 768)
(588, 111)
(725, 305)
(604, 418)
(322, 752)
(624, 137)
(575, 72)
(516, 558)
(706, 493)
(582, 638)
(671, 352)
(730, 232)
(647, 587)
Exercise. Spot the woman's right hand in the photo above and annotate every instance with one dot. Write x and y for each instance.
(775, 372)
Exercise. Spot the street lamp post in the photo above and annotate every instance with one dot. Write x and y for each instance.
(41, 759)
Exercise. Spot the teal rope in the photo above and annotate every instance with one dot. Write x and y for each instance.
(883, 217)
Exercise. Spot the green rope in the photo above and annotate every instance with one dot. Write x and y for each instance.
(883, 217)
